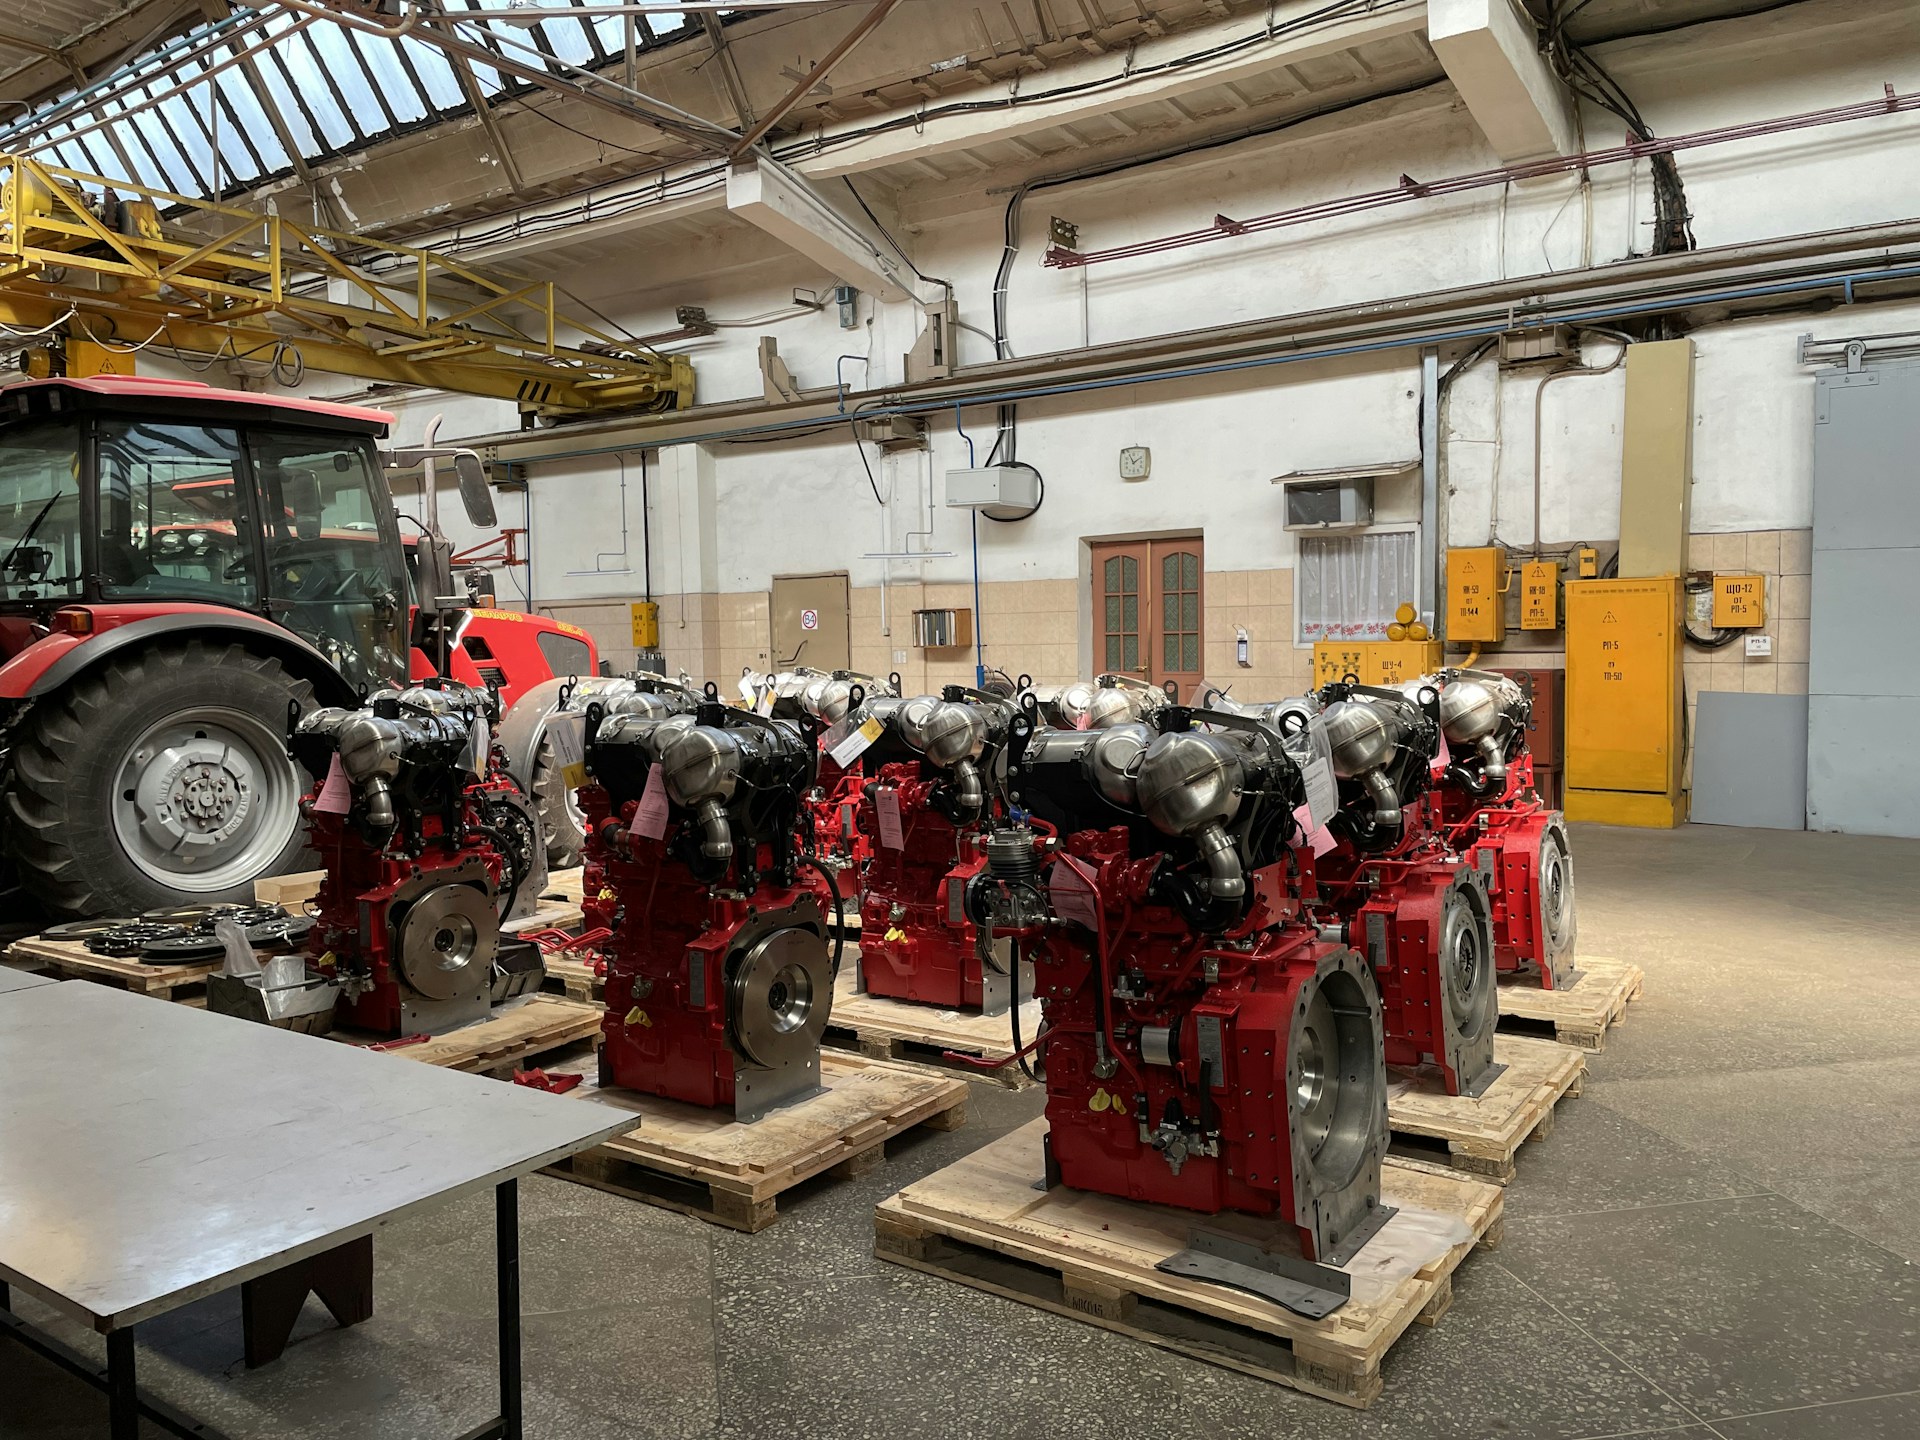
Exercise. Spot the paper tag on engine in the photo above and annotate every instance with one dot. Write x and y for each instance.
(845, 748)
(336, 796)
(1318, 838)
(568, 733)
(479, 747)
(1073, 896)
(650, 815)
(886, 808)
(1444, 757)
(1323, 790)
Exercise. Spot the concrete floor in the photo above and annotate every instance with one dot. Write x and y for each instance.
(1718, 1240)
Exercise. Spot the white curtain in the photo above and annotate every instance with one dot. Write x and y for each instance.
(1350, 585)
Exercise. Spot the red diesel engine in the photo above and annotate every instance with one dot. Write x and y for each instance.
(923, 811)
(1494, 816)
(1205, 1047)
(427, 846)
(1390, 886)
(641, 693)
(719, 982)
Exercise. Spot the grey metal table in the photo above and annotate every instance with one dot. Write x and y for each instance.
(152, 1154)
(12, 981)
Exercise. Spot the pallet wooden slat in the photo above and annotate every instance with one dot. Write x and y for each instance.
(71, 960)
(1582, 1014)
(1484, 1134)
(704, 1163)
(901, 1030)
(519, 1030)
(982, 1223)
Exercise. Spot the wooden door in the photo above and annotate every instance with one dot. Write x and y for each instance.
(1147, 610)
(810, 621)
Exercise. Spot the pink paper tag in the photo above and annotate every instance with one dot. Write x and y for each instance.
(650, 815)
(1073, 896)
(1444, 758)
(336, 796)
(1082, 721)
(886, 808)
(1319, 838)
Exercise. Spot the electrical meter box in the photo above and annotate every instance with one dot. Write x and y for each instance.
(1540, 595)
(1375, 662)
(1012, 489)
(1336, 659)
(1476, 595)
(1739, 602)
(1624, 702)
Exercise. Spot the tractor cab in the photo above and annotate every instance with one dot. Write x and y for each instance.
(124, 499)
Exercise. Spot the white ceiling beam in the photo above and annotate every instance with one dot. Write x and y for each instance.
(772, 198)
(1491, 54)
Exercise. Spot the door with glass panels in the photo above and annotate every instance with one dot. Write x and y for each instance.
(1147, 609)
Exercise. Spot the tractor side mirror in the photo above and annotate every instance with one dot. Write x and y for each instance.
(475, 493)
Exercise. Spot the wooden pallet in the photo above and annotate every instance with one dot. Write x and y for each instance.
(520, 1030)
(900, 1030)
(71, 960)
(704, 1163)
(564, 884)
(289, 892)
(1483, 1135)
(1580, 1015)
(984, 1223)
(576, 980)
(552, 913)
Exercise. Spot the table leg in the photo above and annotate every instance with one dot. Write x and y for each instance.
(123, 1397)
(506, 1212)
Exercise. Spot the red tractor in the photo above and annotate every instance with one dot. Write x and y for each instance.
(178, 564)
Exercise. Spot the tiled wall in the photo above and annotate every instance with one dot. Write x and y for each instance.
(1034, 626)
(1029, 626)
(1785, 558)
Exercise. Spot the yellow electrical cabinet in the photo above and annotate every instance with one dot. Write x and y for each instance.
(1375, 662)
(646, 624)
(1739, 602)
(1540, 595)
(1624, 702)
(1476, 595)
(1336, 659)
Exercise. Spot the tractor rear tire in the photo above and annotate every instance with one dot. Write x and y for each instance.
(159, 777)
(558, 816)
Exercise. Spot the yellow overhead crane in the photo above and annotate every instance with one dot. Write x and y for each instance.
(106, 265)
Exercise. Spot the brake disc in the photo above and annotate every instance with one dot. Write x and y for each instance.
(82, 929)
(132, 937)
(287, 930)
(183, 950)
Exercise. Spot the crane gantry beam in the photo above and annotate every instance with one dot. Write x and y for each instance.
(124, 264)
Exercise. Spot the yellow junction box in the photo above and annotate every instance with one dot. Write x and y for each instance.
(1540, 595)
(1376, 662)
(1623, 735)
(1739, 602)
(1476, 595)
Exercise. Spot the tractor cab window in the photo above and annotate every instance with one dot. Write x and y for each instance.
(40, 512)
(333, 555)
(173, 519)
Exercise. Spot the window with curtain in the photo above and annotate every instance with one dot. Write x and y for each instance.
(1350, 585)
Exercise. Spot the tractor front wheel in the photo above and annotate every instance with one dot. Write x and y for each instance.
(158, 777)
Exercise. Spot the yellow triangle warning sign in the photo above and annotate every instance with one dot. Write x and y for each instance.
(1607, 619)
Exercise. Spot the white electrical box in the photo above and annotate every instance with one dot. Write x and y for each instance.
(1006, 492)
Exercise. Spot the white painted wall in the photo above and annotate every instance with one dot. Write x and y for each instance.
(731, 516)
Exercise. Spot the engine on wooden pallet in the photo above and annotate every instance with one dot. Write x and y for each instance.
(1387, 884)
(428, 845)
(1493, 815)
(719, 978)
(1204, 1045)
(924, 811)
